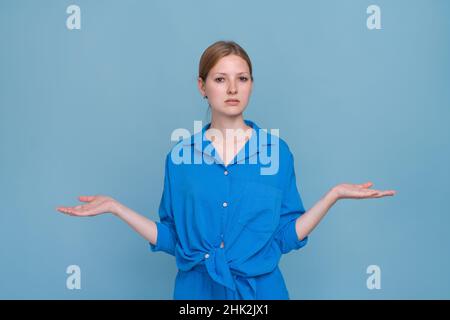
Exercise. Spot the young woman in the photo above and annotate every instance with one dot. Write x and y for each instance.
(225, 219)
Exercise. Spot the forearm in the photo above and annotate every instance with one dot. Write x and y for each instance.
(142, 225)
(311, 218)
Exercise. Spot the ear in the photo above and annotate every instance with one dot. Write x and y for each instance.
(201, 86)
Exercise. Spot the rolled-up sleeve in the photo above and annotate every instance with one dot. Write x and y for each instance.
(291, 209)
(167, 236)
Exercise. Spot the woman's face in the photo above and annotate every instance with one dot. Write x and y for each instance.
(228, 79)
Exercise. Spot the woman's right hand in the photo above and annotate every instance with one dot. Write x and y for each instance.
(95, 205)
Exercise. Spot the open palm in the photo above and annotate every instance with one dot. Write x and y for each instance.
(94, 205)
(360, 191)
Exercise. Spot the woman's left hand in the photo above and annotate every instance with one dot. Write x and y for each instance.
(359, 191)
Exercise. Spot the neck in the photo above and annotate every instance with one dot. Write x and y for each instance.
(224, 123)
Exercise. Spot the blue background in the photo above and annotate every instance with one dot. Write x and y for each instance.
(90, 111)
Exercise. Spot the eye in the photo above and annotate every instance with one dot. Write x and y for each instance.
(244, 78)
(218, 79)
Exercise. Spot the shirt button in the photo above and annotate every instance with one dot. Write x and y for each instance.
(207, 256)
(225, 204)
(225, 172)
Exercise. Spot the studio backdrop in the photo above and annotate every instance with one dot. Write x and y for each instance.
(91, 91)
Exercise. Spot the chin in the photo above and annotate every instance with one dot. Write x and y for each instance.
(232, 111)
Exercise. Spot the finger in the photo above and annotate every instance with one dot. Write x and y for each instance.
(388, 193)
(75, 212)
(366, 185)
(86, 198)
(66, 210)
(381, 194)
(80, 210)
(369, 193)
(362, 194)
(83, 210)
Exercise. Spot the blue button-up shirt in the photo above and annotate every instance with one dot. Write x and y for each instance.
(231, 222)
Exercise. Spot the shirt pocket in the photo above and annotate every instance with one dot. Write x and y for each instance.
(260, 206)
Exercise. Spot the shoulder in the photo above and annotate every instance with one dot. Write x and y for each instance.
(286, 158)
(284, 148)
(279, 144)
(180, 150)
(275, 154)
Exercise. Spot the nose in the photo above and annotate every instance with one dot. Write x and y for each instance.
(232, 88)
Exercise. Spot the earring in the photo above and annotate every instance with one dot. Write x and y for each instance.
(205, 97)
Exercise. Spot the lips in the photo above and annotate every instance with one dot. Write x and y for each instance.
(232, 100)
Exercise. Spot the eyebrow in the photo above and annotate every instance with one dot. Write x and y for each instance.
(226, 73)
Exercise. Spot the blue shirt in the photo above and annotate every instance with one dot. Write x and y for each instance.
(228, 226)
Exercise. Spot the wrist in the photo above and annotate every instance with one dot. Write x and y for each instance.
(332, 195)
(116, 208)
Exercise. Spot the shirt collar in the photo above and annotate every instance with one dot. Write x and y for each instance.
(259, 139)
